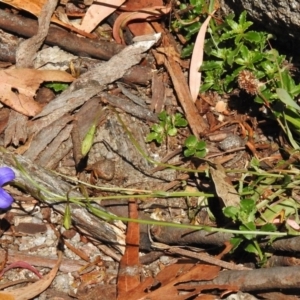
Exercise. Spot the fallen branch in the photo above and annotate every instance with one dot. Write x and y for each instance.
(56, 36)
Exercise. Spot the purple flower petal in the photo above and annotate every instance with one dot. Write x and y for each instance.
(6, 175)
(5, 199)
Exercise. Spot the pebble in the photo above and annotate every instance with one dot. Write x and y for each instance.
(230, 142)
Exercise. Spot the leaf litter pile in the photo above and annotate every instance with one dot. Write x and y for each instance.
(129, 184)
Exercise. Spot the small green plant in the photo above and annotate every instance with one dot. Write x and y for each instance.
(238, 57)
(245, 217)
(167, 127)
(194, 147)
(57, 86)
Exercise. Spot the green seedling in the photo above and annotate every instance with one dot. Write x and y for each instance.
(245, 216)
(57, 86)
(88, 140)
(194, 147)
(67, 216)
(167, 126)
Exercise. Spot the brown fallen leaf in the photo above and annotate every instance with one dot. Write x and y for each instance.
(18, 87)
(27, 49)
(197, 59)
(97, 12)
(31, 291)
(140, 28)
(225, 191)
(148, 13)
(35, 7)
(129, 273)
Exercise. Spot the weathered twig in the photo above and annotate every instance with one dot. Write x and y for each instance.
(59, 37)
(44, 185)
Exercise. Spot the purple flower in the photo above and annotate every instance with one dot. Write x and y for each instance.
(6, 175)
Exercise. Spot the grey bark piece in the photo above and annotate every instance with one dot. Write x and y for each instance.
(280, 17)
(52, 183)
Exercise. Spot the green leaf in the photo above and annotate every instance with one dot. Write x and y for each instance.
(248, 227)
(289, 133)
(231, 212)
(286, 98)
(152, 136)
(221, 53)
(245, 54)
(162, 116)
(201, 145)
(192, 29)
(197, 6)
(211, 65)
(253, 37)
(252, 249)
(235, 242)
(269, 67)
(268, 227)
(172, 131)
(231, 56)
(233, 25)
(191, 142)
(88, 140)
(187, 51)
(67, 217)
(248, 205)
(180, 121)
(201, 153)
(57, 86)
(189, 152)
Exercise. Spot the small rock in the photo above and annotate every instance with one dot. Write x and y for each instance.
(231, 142)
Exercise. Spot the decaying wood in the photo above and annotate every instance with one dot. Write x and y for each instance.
(183, 237)
(196, 122)
(260, 279)
(58, 37)
(53, 184)
(67, 265)
(16, 130)
(85, 87)
(27, 49)
(131, 108)
(91, 83)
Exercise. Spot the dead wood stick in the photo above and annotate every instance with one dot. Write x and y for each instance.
(196, 122)
(49, 184)
(184, 237)
(59, 37)
(67, 265)
(260, 279)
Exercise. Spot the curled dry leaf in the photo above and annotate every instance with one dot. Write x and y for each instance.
(149, 13)
(221, 106)
(197, 59)
(18, 87)
(31, 291)
(35, 7)
(140, 28)
(97, 12)
(225, 191)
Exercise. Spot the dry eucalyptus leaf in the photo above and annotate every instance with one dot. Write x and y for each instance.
(197, 59)
(35, 7)
(18, 87)
(97, 12)
(33, 290)
(225, 191)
